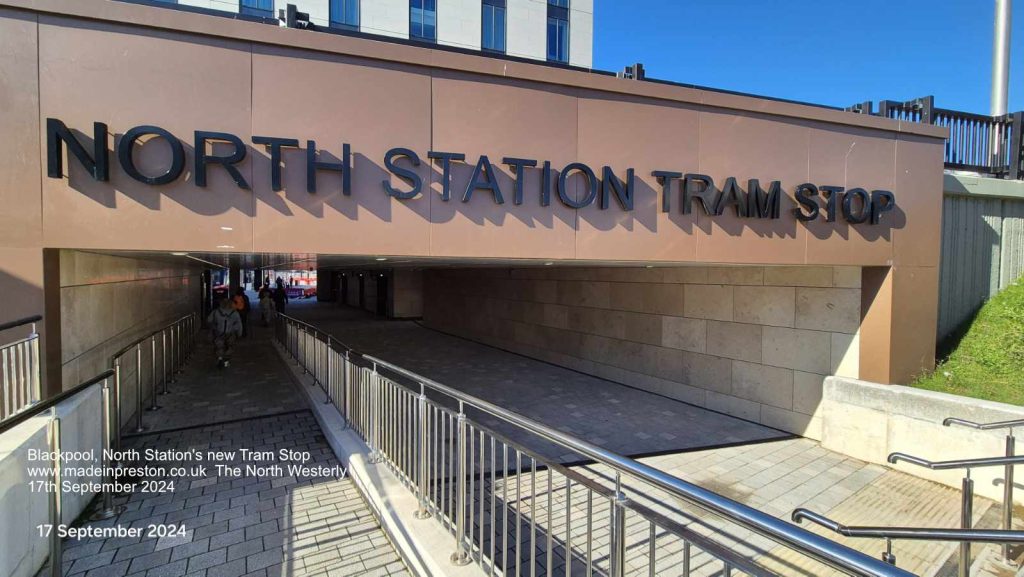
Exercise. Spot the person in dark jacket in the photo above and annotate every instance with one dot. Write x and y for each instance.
(280, 297)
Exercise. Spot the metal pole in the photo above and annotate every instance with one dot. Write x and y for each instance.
(1000, 56)
(618, 530)
(175, 357)
(163, 360)
(117, 403)
(966, 514)
(460, 556)
(37, 383)
(108, 510)
(330, 369)
(424, 510)
(1008, 495)
(152, 375)
(138, 389)
(56, 551)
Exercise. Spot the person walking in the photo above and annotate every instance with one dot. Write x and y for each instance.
(225, 326)
(240, 302)
(280, 297)
(266, 301)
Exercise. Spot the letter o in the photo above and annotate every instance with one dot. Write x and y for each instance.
(588, 174)
(865, 206)
(126, 146)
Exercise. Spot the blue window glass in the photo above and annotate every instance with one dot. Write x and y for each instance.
(423, 20)
(559, 3)
(264, 8)
(345, 14)
(558, 39)
(493, 25)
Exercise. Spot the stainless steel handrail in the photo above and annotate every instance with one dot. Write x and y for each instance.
(956, 463)
(55, 484)
(816, 547)
(178, 347)
(982, 426)
(911, 533)
(1009, 451)
(21, 384)
(823, 550)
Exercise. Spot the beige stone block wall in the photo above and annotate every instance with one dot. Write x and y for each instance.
(406, 294)
(108, 301)
(751, 341)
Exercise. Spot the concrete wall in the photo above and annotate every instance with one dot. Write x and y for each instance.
(107, 302)
(754, 342)
(22, 550)
(581, 33)
(982, 246)
(869, 421)
(406, 294)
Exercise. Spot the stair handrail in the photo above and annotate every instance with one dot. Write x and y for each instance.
(956, 463)
(982, 426)
(1010, 450)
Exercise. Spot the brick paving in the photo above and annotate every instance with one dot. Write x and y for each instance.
(269, 525)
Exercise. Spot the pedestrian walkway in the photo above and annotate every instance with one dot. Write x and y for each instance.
(605, 413)
(271, 524)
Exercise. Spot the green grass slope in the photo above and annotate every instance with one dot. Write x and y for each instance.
(988, 363)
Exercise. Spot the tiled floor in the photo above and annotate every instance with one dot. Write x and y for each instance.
(272, 525)
(603, 412)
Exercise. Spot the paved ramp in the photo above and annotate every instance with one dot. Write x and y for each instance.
(267, 525)
(622, 419)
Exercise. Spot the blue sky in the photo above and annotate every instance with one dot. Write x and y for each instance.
(822, 51)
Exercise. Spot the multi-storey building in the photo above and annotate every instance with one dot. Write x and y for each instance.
(558, 31)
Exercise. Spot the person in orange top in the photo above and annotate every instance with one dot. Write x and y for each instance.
(240, 303)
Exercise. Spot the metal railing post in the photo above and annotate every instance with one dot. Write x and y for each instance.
(966, 514)
(163, 360)
(117, 403)
(108, 510)
(461, 555)
(330, 370)
(346, 393)
(138, 389)
(424, 510)
(152, 375)
(302, 352)
(374, 431)
(56, 551)
(175, 355)
(37, 383)
(1008, 494)
(617, 553)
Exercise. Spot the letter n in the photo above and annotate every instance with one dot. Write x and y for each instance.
(57, 135)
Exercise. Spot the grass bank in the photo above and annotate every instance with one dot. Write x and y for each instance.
(988, 363)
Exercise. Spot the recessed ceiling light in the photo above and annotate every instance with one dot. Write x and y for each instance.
(382, 258)
(548, 263)
(226, 228)
(225, 246)
(649, 266)
(180, 253)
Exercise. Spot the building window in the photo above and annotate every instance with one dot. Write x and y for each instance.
(264, 8)
(345, 14)
(423, 20)
(558, 31)
(493, 25)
